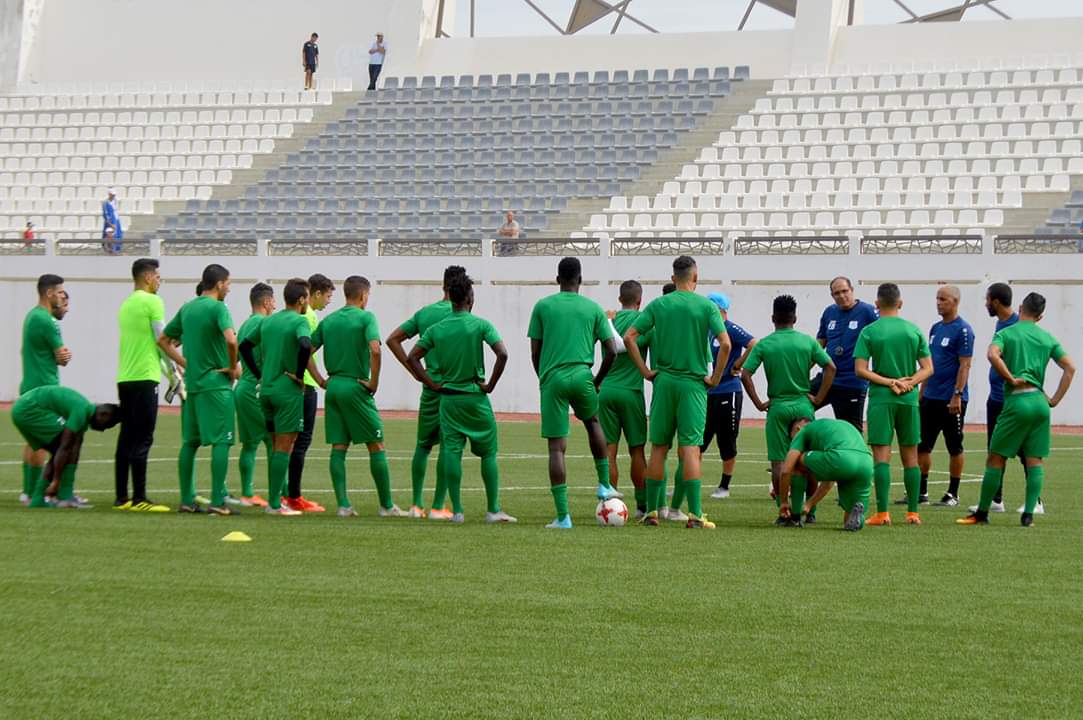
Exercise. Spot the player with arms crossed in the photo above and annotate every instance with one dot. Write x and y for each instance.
(1020, 354)
(829, 452)
(251, 425)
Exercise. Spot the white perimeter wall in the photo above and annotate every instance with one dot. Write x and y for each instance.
(98, 286)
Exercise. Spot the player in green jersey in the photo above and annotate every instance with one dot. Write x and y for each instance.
(786, 356)
(53, 419)
(204, 329)
(251, 425)
(563, 330)
(829, 452)
(682, 322)
(43, 351)
(456, 345)
(350, 338)
(428, 411)
(1020, 353)
(899, 354)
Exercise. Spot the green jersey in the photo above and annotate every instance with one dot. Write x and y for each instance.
(199, 325)
(279, 337)
(249, 328)
(313, 322)
(830, 434)
(420, 322)
(344, 336)
(72, 410)
(682, 323)
(568, 326)
(139, 359)
(41, 337)
(786, 356)
(459, 346)
(624, 374)
(1027, 349)
(894, 346)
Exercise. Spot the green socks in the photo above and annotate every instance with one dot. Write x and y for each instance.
(641, 496)
(881, 477)
(37, 497)
(30, 474)
(601, 468)
(66, 491)
(440, 492)
(186, 471)
(276, 477)
(219, 470)
(490, 475)
(798, 485)
(692, 492)
(560, 499)
(1035, 480)
(338, 477)
(656, 492)
(247, 466)
(418, 466)
(381, 475)
(453, 477)
(990, 482)
(912, 483)
(679, 489)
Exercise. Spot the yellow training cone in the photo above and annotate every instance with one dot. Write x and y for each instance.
(236, 536)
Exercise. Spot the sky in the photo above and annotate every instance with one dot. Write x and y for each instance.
(515, 17)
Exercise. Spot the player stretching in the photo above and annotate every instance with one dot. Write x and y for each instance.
(350, 338)
(786, 356)
(622, 408)
(43, 351)
(681, 322)
(53, 419)
(900, 362)
(456, 345)
(563, 329)
(428, 410)
(1020, 354)
(830, 452)
(204, 329)
(251, 425)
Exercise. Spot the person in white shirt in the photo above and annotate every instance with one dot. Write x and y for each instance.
(510, 228)
(376, 59)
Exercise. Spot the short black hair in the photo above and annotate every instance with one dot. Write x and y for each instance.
(784, 309)
(630, 292)
(796, 420)
(1034, 304)
(259, 292)
(569, 270)
(683, 266)
(355, 286)
(112, 418)
(1002, 293)
(315, 34)
(199, 288)
(47, 282)
(143, 265)
(451, 271)
(296, 288)
(320, 283)
(212, 275)
(889, 294)
(459, 288)
(668, 288)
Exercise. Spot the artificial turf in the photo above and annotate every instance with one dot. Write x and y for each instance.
(115, 615)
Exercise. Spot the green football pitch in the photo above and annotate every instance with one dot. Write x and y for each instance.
(114, 615)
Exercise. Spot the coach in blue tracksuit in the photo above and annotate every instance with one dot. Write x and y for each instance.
(840, 325)
(112, 232)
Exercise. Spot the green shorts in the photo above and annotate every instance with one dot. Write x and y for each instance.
(572, 385)
(886, 420)
(207, 418)
(350, 414)
(428, 419)
(779, 416)
(467, 417)
(1023, 426)
(38, 426)
(283, 407)
(678, 406)
(623, 410)
(850, 470)
(251, 425)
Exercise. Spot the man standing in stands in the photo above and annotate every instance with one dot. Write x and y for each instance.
(840, 325)
(310, 59)
(510, 228)
(376, 59)
(112, 232)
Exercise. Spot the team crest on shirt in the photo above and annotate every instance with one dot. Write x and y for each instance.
(944, 342)
(853, 324)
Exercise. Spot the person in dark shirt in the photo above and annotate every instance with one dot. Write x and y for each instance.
(310, 59)
(840, 325)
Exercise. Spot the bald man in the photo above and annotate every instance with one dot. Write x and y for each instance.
(945, 394)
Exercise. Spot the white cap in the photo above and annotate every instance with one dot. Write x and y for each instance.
(111, 191)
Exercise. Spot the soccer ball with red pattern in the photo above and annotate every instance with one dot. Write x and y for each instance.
(611, 513)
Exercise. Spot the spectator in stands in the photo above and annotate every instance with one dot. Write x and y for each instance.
(376, 59)
(310, 59)
(112, 232)
(510, 228)
(28, 237)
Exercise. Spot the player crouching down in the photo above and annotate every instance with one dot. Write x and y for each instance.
(830, 452)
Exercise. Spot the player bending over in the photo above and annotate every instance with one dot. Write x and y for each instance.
(828, 452)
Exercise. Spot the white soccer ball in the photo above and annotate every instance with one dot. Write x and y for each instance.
(611, 513)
